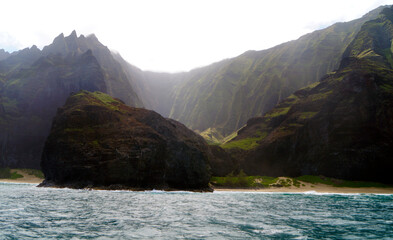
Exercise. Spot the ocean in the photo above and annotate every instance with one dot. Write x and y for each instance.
(28, 212)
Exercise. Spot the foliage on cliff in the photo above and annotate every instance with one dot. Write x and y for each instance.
(339, 127)
(223, 95)
(98, 141)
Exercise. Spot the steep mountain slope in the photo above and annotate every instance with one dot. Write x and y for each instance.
(34, 83)
(340, 127)
(225, 94)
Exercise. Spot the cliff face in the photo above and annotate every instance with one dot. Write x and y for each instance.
(34, 83)
(223, 95)
(30, 98)
(98, 141)
(339, 127)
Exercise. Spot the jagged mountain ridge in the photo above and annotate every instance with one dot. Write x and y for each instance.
(339, 127)
(219, 97)
(118, 85)
(34, 83)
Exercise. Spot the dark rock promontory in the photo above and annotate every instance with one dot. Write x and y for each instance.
(97, 141)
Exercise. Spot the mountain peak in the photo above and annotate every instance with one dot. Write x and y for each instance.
(388, 12)
(92, 37)
(73, 34)
(61, 36)
(3, 54)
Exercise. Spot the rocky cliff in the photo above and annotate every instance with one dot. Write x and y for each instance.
(339, 127)
(223, 95)
(98, 141)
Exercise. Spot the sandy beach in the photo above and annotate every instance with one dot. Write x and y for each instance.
(308, 187)
(319, 188)
(27, 178)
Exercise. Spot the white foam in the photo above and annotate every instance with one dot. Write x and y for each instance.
(18, 183)
(291, 193)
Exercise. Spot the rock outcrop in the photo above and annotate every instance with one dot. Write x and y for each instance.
(97, 141)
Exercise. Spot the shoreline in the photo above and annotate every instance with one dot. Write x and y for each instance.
(304, 188)
(317, 188)
(27, 178)
(5, 180)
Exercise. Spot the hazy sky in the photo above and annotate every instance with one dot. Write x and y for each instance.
(174, 35)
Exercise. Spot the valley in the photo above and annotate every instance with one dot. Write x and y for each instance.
(318, 105)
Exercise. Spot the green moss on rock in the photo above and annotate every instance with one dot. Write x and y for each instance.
(98, 141)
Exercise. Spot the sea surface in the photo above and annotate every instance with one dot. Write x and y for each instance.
(46, 213)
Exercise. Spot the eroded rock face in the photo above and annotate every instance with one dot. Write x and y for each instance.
(341, 127)
(347, 135)
(98, 141)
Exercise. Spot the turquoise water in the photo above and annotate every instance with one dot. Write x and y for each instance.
(44, 213)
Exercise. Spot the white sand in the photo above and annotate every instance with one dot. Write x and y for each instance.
(320, 188)
(27, 178)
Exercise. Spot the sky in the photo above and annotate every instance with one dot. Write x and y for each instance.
(174, 35)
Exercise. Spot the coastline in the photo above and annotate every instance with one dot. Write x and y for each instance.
(318, 188)
(27, 178)
(3, 180)
(306, 187)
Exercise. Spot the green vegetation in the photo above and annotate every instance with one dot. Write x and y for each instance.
(6, 173)
(321, 95)
(387, 87)
(315, 179)
(105, 98)
(226, 94)
(245, 143)
(292, 99)
(99, 99)
(34, 172)
(73, 130)
(95, 144)
(14, 83)
(388, 55)
(367, 53)
(339, 183)
(241, 180)
(312, 85)
(307, 115)
(296, 183)
(229, 137)
(212, 136)
(277, 112)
